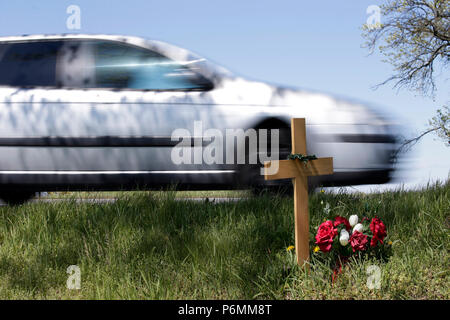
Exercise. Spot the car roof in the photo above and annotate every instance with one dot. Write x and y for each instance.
(207, 68)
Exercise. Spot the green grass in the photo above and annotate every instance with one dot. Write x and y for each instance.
(152, 246)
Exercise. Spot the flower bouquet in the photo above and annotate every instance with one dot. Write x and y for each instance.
(341, 239)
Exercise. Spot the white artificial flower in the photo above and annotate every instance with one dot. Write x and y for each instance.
(353, 220)
(343, 239)
(358, 227)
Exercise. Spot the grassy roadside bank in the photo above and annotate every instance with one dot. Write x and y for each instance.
(149, 246)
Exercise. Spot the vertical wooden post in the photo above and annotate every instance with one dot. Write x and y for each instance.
(300, 195)
(299, 172)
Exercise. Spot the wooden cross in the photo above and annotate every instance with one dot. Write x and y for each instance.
(299, 172)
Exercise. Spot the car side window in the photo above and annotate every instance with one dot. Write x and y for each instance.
(75, 65)
(124, 66)
(29, 63)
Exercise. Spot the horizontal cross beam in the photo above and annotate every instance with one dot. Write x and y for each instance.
(295, 168)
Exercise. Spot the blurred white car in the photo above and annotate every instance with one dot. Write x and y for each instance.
(82, 112)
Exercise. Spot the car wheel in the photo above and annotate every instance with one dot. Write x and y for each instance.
(256, 181)
(250, 174)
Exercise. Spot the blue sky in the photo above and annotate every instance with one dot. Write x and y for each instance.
(309, 44)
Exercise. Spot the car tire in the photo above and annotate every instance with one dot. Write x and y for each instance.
(250, 174)
(257, 184)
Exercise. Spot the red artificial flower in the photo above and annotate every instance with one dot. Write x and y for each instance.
(358, 241)
(341, 220)
(378, 230)
(325, 235)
